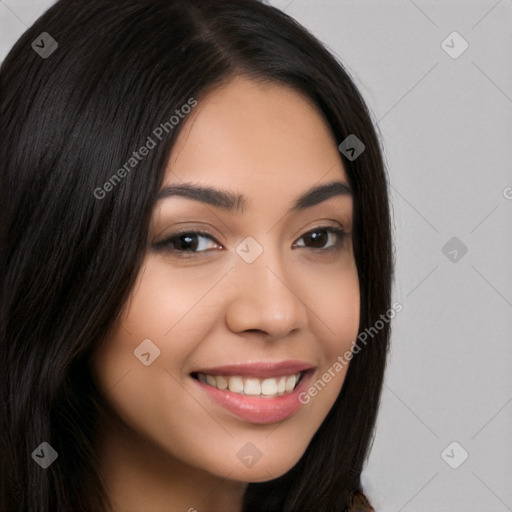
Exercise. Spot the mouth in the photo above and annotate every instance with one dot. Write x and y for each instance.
(259, 393)
(252, 386)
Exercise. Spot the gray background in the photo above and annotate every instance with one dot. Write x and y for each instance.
(446, 125)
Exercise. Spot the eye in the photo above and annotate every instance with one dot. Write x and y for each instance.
(319, 237)
(187, 242)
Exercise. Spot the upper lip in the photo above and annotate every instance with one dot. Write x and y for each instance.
(258, 369)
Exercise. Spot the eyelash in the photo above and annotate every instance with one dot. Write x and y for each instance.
(166, 244)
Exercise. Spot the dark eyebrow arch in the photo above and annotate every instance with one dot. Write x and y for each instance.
(230, 201)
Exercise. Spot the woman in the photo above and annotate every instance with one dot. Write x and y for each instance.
(195, 228)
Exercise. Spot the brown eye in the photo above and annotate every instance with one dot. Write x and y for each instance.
(190, 242)
(318, 238)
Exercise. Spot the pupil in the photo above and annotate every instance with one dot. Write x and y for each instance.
(189, 242)
(319, 240)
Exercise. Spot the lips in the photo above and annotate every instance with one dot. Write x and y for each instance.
(259, 370)
(264, 392)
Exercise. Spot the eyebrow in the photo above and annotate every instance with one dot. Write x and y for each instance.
(227, 200)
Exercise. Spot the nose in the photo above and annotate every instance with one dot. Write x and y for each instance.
(266, 298)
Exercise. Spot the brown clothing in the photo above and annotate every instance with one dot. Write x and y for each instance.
(359, 503)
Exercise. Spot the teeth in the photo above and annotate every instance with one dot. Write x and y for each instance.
(236, 384)
(222, 382)
(252, 386)
(269, 387)
(290, 383)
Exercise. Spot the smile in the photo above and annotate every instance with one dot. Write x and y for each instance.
(252, 386)
(258, 392)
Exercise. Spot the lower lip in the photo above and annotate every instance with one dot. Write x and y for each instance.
(259, 409)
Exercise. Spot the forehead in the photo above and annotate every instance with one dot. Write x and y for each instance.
(252, 135)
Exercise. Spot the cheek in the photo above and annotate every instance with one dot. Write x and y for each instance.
(158, 308)
(333, 296)
(163, 300)
(340, 310)
(335, 300)
(150, 399)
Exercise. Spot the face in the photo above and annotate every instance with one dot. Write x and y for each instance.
(248, 293)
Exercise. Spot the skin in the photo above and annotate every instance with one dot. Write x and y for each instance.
(169, 447)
